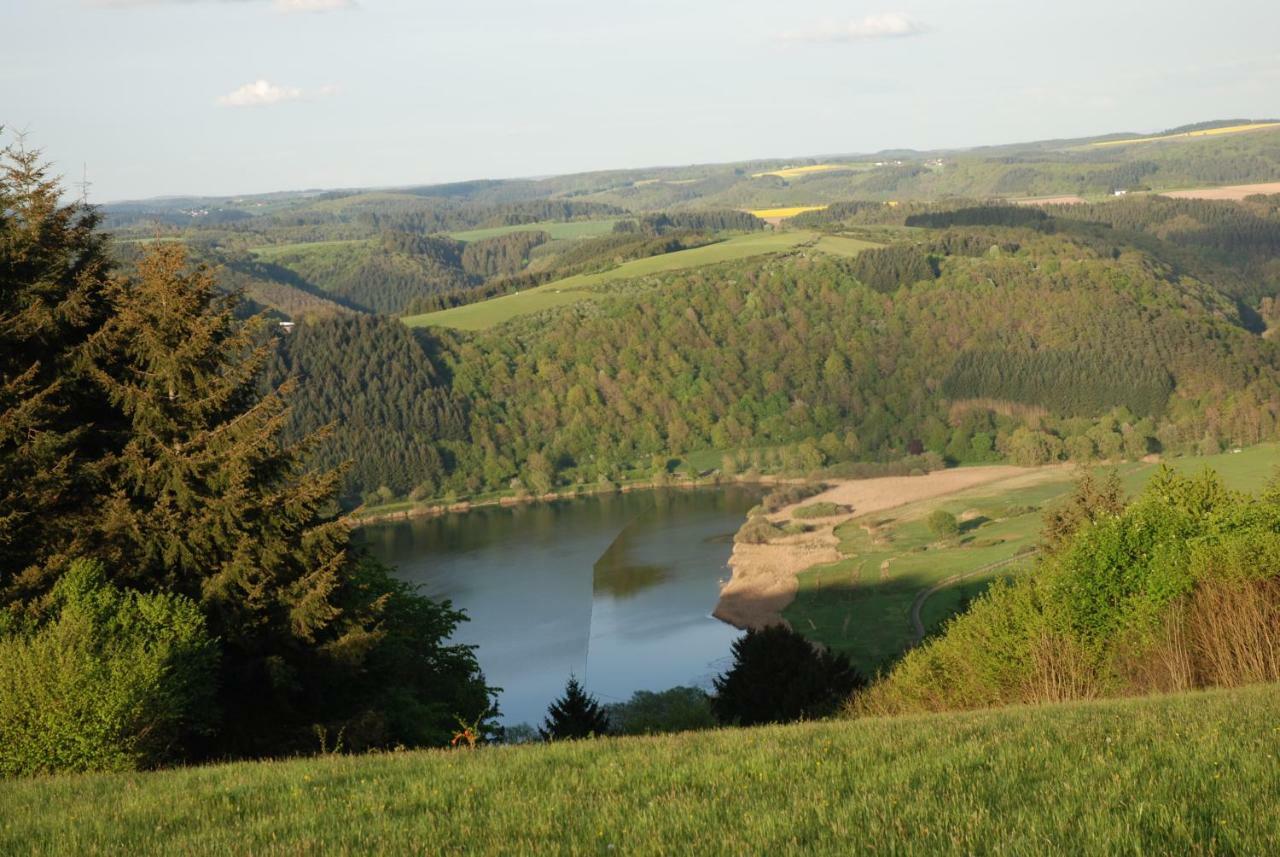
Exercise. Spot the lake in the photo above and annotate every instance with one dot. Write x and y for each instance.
(617, 589)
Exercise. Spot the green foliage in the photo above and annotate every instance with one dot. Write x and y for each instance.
(111, 680)
(943, 524)
(577, 714)
(680, 709)
(886, 268)
(778, 676)
(1112, 578)
(820, 510)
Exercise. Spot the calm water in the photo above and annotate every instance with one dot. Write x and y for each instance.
(617, 589)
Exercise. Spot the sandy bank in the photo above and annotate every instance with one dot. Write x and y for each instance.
(764, 576)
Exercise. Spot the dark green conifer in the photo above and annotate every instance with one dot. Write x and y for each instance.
(54, 274)
(577, 714)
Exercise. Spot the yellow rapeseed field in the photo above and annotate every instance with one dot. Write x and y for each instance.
(784, 213)
(789, 172)
(1207, 132)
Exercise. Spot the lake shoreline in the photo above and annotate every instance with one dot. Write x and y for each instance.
(764, 577)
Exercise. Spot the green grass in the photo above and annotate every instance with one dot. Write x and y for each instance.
(861, 605)
(1189, 774)
(840, 245)
(275, 252)
(486, 314)
(558, 231)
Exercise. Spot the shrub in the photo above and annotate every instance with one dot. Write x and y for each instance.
(821, 510)
(778, 676)
(758, 530)
(785, 495)
(680, 709)
(1177, 590)
(943, 524)
(113, 680)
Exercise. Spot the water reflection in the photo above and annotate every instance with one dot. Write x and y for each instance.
(617, 588)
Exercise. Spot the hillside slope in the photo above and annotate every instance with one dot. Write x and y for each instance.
(1071, 779)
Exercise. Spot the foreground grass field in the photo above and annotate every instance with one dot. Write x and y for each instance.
(862, 605)
(486, 314)
(1190, 774)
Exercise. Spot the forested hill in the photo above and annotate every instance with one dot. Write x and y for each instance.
(973, 342)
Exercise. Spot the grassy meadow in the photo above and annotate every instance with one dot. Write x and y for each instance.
(794, 172)
(486, 314)
(1204, 132)
(558, 230)
(784, 213)
(862, 604)
(1083, 778)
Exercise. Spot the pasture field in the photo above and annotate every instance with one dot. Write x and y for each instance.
(776, 214)
(1186, 135)
(1194, 773)
(842, 245)
(862, 604)
(485, 314)
(793, 172)
(1228, 192)
(558, 230)
(276, 252)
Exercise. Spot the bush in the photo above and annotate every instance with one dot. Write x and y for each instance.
(785, 495)
(758, 530)
(1174, 591)
(821, 510)
(113, 680)
(680, 709)
(778, 676)
(943, 524)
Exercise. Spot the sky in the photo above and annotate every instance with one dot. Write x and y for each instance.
(226, 97)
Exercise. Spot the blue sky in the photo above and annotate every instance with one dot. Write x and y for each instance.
(239, 96)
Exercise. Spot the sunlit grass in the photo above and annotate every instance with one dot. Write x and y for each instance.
(792, 172)
(1191, 774)
(1206, 132)
(784, 213)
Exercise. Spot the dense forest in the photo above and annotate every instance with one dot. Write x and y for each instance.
(1099, 349)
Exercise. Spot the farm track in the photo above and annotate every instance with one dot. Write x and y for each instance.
(917, 606)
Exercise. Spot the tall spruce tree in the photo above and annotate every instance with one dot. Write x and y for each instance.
(54, 276)
(577, 714)
(205, 500)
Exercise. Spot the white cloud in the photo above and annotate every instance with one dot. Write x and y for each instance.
(260, 93)
(887, 26)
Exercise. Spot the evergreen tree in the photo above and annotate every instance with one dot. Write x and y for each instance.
(208, 499)
(577, 714)
(778, 676)
(54, 274)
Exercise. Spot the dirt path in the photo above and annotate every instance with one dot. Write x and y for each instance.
(917, 606)
(763, 582)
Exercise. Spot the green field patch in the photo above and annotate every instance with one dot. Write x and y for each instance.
(485, 314)
(840, 245)
(278, 252)
(558, 230)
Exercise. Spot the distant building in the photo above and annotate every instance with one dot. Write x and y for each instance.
(286, 326)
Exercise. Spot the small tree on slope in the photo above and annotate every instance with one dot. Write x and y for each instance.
(778, 676)
(577, 714)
